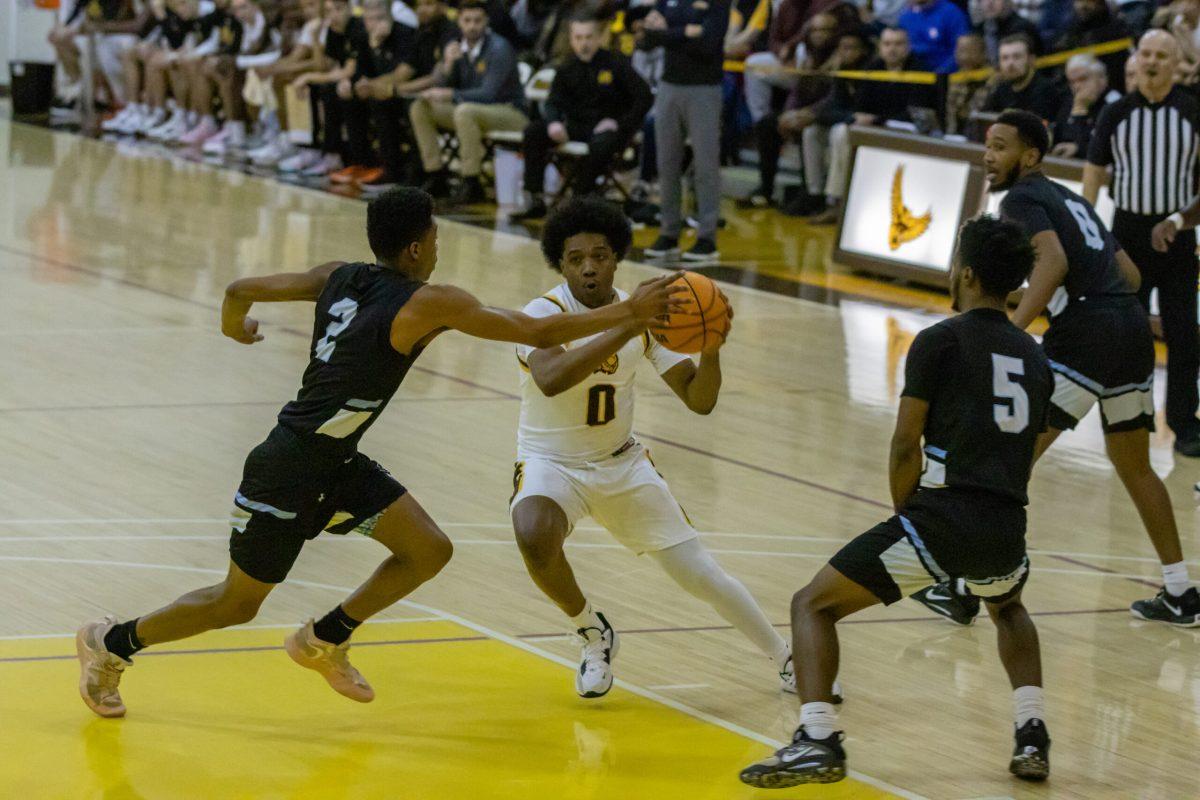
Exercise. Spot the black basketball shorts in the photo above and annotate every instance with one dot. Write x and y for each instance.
(1102, 352)
(974, 539)
(289, 495)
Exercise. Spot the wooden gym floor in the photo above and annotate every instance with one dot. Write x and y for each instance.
(125, 417)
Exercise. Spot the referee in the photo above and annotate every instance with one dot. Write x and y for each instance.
(1151, 139)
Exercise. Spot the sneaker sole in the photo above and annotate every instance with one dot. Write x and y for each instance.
(711, 258)
(81, 652)
(785, 779)
(1029, 768)
(296, 654)
(661, 253)
(1195, 623)
(592, 695)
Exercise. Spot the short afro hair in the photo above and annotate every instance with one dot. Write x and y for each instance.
(396, 219)
(1030, 129)
(585, 215)
(999, 252)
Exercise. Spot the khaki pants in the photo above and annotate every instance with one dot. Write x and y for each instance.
(469, 121)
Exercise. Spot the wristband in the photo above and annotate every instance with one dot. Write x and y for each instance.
(1177, 220)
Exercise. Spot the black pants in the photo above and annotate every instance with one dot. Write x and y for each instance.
(602, 149)
(770, 145)
(1175, 274)
(388, 120)
(358, 133)
(333, 139)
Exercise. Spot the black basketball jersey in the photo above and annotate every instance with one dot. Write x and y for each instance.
(988, 385)
(341, 47)
(1039, 204)
(175, 29)
(354, 369)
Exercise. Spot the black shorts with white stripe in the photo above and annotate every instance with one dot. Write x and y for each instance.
(1102, 351)
(288, 496)
(976, 539)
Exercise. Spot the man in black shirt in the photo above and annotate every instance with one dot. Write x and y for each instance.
(372, 322)
(1099, 343)
(977, 390)
(1021, 85)
(1088, 80)
(596, 98)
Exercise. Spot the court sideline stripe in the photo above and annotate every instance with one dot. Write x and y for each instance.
(695, 713)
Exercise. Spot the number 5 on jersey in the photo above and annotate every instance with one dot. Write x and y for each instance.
(1012, 415)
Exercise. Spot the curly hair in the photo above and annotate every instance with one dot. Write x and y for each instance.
(396, 219)
(585, 215)
(998, 252)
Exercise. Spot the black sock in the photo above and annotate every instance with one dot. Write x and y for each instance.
(122, 639)
(335, 627)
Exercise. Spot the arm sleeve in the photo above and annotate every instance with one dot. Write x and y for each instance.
(662, 358)
(539, 307)
(502, 62)
(1026, 213)
(1100, 150)
(924, 370)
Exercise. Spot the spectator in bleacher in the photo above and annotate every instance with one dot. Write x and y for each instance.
(933, 28)
(1000, 21)
(785, 36)
(1131, 73)
(115, 24)
(874, 103)
(596, 98)
(1088, 79)
(146, 66)
(1182, 19)
(435, 32)
(382, 50)
(747, 34)
(1136, 14)
(239, 40)
(880, 14)
(477, 89)
(965, 97)
(1021, 86)
(1092, 22)
(342, 37)
(692, 36)
(820, 47)
(302, 56)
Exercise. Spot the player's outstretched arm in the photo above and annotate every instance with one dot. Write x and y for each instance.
(439, 307)
(285, 286)
(904, 464)
(556, 369)
(1049, 272)
(700, 386)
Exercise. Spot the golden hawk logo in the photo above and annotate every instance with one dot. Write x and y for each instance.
(905, 227)
(609, 367)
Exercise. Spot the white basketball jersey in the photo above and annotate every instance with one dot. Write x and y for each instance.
(593, 419)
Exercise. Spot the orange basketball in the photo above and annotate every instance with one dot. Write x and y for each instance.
(703, 322)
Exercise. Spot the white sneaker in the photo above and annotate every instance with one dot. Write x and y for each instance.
(330, 162)
(787, 682)
(232, 135)
(119, 120)
(301, 161)
(99, 670)
(599, 648)
(150, 120)
(133, 123)
(273, 152)
(171, 130)
(331, 661)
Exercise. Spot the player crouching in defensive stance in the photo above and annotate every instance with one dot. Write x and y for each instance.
(372, 322)
(977, 390)
(577, 456)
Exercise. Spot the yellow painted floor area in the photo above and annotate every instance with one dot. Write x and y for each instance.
(457, 715)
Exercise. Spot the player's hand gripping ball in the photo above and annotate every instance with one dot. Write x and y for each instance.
(702, 323)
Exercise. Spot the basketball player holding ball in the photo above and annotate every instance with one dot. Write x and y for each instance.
(576, 453)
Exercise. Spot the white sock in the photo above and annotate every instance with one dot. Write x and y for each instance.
(587, 618)
(1175, 576)
(1029, 702)
(818, 719)
(693, 568)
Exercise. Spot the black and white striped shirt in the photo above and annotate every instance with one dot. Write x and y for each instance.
(1154, 150)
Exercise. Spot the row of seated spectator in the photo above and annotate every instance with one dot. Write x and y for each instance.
(403, 94)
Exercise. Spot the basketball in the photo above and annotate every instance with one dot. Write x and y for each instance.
(702, 323)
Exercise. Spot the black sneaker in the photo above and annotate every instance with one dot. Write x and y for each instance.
(1031, 755)
(1183, 610)
(470, 191)
(704, 251)
(805, 760)
(536, 211)
(805, 205)
(663, 246)
(1188, 447)
(436, 184)
(942, 599)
